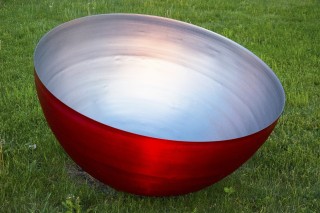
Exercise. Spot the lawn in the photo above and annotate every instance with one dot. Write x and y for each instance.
(36, 175)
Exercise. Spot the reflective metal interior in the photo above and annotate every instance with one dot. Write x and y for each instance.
(158, 77)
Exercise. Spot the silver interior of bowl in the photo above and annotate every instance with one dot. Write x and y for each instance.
(158, 77)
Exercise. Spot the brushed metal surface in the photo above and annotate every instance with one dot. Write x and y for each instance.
(159, 78)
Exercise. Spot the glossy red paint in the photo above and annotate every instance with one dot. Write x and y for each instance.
(143, 165)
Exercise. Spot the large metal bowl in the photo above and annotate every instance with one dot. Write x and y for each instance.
(154, 106)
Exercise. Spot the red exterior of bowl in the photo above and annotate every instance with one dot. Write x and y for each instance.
(144, 165)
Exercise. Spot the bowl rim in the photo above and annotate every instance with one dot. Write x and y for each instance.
(173, 22)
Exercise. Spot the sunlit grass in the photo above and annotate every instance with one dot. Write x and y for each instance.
(284, 174)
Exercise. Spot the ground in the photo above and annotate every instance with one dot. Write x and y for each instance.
(283, 176)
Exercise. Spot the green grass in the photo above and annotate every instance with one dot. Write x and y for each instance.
(283, 176)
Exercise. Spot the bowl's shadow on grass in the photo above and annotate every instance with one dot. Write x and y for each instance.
(78, 175)
(81, 177)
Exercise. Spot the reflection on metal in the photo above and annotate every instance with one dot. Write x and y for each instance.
(159, 78)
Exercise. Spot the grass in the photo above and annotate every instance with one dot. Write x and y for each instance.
(283, 176)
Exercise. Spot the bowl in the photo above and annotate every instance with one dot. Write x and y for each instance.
(154, 106)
